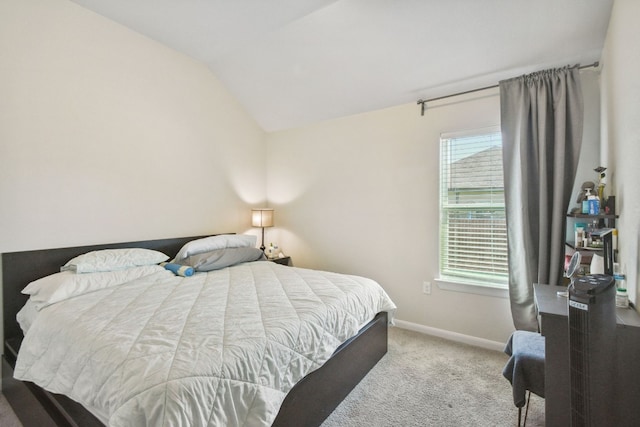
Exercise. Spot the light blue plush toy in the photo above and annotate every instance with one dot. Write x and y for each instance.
(178, 270)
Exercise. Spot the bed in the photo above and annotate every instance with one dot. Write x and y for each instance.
(307, 403)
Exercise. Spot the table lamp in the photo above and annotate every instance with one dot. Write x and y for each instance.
(262, 217)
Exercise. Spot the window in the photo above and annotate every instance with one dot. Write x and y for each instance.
(473, 230)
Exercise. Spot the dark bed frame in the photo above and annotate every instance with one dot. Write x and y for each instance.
(308, 404)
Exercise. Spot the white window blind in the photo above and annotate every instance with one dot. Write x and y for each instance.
(473, 232)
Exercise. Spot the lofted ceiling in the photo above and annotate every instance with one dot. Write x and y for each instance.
(295, 62)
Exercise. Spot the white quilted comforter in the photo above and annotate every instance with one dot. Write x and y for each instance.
(216, 349)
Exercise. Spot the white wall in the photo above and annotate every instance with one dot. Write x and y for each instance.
(360, 195)
(621, 130)
(590, 152)
(106, 135)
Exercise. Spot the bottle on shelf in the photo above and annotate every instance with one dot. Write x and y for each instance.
(594, 204)
(579, 237)
(622, 298)
(585, 202)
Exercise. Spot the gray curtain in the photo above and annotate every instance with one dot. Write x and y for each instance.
(541, 120)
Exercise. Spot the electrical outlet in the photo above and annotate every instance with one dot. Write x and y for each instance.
(426, 287)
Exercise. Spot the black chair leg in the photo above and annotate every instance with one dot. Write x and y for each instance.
(526, 412)
(519, 416)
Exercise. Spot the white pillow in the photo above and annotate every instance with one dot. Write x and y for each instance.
(212, 243)
(66, 284)
(113, 259)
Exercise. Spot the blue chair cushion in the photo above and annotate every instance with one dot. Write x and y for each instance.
(525, 367)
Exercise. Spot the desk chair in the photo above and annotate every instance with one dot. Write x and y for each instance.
(525, 368)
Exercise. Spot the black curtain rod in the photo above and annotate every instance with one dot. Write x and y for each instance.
(422, 102)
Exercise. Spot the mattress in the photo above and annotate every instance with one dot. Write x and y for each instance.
(221, 348)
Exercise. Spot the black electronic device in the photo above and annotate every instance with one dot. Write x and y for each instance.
(606, 235)
(592, 338)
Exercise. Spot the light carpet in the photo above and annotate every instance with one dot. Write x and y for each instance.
(7, 417)
(429, 381)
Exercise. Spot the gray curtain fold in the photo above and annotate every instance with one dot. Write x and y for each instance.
(542, 122)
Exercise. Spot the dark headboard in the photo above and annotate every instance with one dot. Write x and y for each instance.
(21, 268)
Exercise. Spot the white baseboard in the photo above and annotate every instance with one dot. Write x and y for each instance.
(449, 335)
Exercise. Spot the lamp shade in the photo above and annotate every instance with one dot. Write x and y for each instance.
(262, 217)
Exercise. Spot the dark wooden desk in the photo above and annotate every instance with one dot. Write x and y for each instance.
(553, 318)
